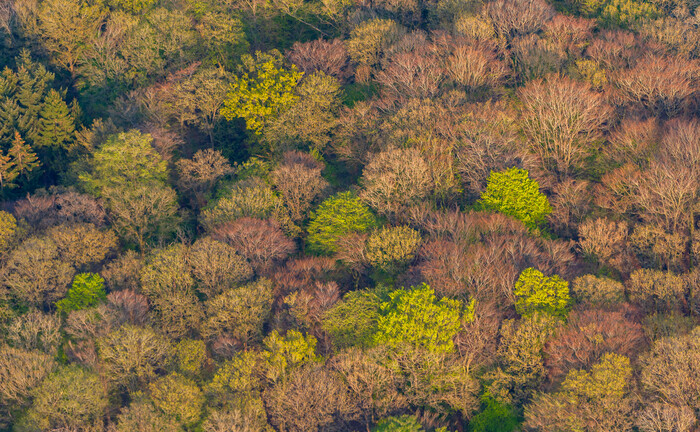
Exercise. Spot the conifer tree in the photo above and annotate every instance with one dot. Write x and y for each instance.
(7, 172)
(9, 110)
(23, 157)
(56, 125)
(33, 80)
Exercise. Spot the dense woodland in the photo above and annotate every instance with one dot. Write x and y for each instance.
(349, 215)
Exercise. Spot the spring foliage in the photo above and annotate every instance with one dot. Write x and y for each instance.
(416, 318)
(339, 215)
(513, 193)
(264, 89)
(536, 292)
(88, 289)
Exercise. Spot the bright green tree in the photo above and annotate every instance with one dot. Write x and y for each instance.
(415, 317)
(339, 215)
(264, 89)
(88, 290)
(536, 292)
(513, 193)
(495, 417)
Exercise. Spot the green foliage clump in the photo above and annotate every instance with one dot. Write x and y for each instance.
(33, 111)
(191, 357)
(353, 321)
(599, 396)
(235, 378)
(88, 290)
(132, 6)
(369, 39)
(56, 124)
(391, 248)
(536, 292)
(415, 317)
(264, 90)
(285, 352)
(248, 198)
(178, 397)
(125, 159)
(591, 72)
(241, 312)
(495, 417)
(142, 416)
(8, 228)
(131, 355)
(620, 13)
(72, 398)
(339, 215)
(521, 361)
(404, 423)
(513, 193)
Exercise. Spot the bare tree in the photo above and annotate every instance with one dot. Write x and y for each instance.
(563, 119)
(260, 241)
(518, 17)
(662, 85)
(329, 57)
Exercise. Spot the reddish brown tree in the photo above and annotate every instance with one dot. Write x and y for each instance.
(661, 85)
(329, 57)
(260, 241)
(588, 335)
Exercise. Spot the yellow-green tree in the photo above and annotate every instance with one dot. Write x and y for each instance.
(70, 399)
(264, 89)
(178, 397)
(416, 318)
(339, 215)
(389, 249)
(8, 229)
(588, 401)
(283, 353)
(513, 193)
(536, 292)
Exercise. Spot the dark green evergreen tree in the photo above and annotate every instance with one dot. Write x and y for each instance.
(33, 83)
(7, 172)
(56, 124)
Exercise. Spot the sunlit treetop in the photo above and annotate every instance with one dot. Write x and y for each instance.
(264, 89)
(513, 193)
(536, 292)
(416, 318)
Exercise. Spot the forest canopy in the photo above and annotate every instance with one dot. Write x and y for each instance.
(341, 215)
